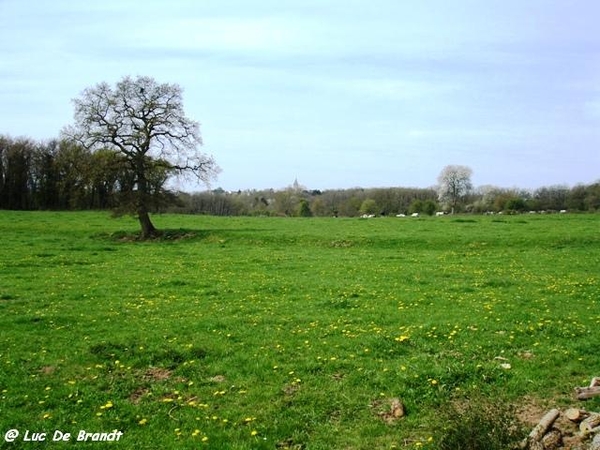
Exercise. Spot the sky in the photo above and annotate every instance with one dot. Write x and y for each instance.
(333, 93)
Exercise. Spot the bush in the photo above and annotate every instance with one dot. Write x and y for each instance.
(479, 425)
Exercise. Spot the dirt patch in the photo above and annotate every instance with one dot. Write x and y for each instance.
(157, 374)
(531, 411)
(218, 379)
(390, 410)
(48, 370)
(136, 396)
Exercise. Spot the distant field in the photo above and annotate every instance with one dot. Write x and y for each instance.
(275, 333)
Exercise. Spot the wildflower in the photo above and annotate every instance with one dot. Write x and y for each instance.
(253, 433)
(143, 421)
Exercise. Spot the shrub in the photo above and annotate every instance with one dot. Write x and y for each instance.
(478, 425)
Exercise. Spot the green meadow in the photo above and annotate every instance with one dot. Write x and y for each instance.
(289, 333)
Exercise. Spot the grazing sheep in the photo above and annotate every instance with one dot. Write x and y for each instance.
(414, 215)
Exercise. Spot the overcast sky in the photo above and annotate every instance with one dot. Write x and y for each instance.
(335, 93)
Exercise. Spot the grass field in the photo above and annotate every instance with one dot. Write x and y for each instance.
(280, 333)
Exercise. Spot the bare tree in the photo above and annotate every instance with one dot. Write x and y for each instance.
(144, 121)
(454, 182)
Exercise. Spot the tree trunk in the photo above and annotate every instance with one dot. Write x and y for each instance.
(590, 424)
(587, 392)
(576, 414)
(148, 229)
(540, 429)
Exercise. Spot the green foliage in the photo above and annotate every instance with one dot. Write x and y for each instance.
(416, 206)
(429, 207)
(515, 204)
(369, 206)
(268, 332)
(304, 209)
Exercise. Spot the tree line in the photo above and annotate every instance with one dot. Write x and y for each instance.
(61, 175)
(356, 202)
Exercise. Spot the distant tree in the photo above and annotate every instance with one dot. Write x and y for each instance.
(350, 205)
(368, 206)
(16, 167)
(592, 200)
(416, 206)
(319, 209)
(429, 207)
(304, 208)
(286, 202)
(106, 176)
(515, 204)
(145, 123)
(551, 197)
(454, 183)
